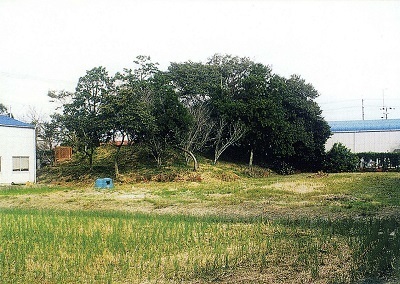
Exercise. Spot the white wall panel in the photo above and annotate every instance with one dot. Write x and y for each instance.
(374, 141)
(16, 141)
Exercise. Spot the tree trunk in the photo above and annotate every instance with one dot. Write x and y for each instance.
(116, 158)
(159, 161)
(116, 169)
(251, 158)
(90, 154)
(234, 130)
(195, 163)
(216, 156)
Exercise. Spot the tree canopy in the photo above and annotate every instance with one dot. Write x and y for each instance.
(227, 103)
(3, 109)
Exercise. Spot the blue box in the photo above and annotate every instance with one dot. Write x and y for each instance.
(104, 183)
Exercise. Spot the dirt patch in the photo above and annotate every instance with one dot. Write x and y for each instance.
(130, 196)
(297, 187)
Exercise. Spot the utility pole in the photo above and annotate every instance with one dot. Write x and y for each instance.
(385, 111)
(362, 108)
(385, 108)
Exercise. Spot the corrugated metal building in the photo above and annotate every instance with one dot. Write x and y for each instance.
(17, 151)
(366, 135)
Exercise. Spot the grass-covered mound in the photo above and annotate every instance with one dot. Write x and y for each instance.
(136, 165)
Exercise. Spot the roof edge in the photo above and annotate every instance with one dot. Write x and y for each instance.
(352, 126)
(6, 121)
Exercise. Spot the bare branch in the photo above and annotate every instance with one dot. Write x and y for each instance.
(227, 135)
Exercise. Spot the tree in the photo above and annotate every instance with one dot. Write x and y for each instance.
(213, 90)
(146, 109)
(56, 126)
(284, 122)
(44, 135)
(83, 115)
(46, 140)
(227, 101)
(232, 72)
(60, 98)
(340, 159)
(144, 71)
(172, 119)
(127, 119)
(127, 112)
(305, 132)
(243, 97)
(194, 84)
(3, 109)
(199, 133)
(61, 134)
(227, 134)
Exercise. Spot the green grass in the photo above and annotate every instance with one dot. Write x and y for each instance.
(222, 225)
(357, 194)
(23, 190)
(114, 247)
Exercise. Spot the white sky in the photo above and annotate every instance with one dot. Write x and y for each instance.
(349, 50)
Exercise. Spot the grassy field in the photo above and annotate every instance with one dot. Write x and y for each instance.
(219, 226)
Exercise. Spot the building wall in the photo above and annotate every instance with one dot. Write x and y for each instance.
(366, 141)
(17, 142)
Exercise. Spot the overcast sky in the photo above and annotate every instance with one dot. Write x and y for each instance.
(349, 50)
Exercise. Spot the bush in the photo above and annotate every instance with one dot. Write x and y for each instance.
(340, 159)
(255, 172)
(283, 168)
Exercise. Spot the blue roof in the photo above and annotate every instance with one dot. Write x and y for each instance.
(365, 125)
(11, 122)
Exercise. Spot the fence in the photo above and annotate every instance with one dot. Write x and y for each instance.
(379, 161)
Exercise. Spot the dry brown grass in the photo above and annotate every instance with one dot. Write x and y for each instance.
(207, 192)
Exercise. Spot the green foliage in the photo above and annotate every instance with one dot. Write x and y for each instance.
(83, 115)
(172, 119)
(227, 101)
(309, 131)
(3, 109)
(282, 120)
(340, 159)
(284, 168)
(194, 81)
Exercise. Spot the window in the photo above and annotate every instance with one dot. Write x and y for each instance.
(20, 164)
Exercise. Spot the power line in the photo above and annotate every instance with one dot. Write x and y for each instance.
(20, 76)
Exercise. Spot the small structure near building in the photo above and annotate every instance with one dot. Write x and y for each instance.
(360, 136)
(17, 151)
(62, 153)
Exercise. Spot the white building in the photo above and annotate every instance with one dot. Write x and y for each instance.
(17, 151)
(360, 136)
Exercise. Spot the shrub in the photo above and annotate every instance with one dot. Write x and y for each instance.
(340, 159)
(283, 168)
(256, 172)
